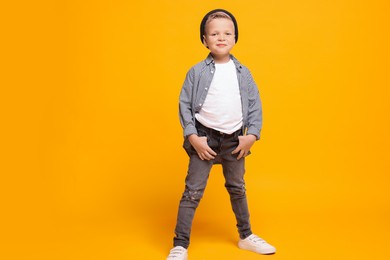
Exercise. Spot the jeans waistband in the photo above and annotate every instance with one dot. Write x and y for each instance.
(214, 132)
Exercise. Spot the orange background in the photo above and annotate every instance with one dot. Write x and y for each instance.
(93, 166)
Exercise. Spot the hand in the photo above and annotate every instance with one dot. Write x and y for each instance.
(245, 143)
(202, 148)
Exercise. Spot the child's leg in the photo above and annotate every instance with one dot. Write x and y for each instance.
(233, 171)
(196, 180)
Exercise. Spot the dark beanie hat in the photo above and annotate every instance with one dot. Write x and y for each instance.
(203, 23)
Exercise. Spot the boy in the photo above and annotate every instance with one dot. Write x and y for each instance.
(221, 116)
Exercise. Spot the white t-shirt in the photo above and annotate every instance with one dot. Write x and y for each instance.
(222, 109)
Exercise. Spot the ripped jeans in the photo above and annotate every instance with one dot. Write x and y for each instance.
(196, 180)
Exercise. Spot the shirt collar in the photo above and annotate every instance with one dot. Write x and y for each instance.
(210, 59)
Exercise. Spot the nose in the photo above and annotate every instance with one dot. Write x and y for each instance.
(221, 37)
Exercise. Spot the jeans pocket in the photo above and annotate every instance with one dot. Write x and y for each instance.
(237, 140)
(188, 147)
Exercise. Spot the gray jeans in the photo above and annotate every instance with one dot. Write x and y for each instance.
(196, 180)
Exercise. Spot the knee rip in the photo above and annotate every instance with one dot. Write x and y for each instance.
(237, 190)
(194, 195)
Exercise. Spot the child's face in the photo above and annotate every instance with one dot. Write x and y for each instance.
(219, 38)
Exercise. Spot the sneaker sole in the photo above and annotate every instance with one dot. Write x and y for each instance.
(184, 258)
(263, 252)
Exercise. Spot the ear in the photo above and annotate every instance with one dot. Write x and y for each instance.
(205, 42)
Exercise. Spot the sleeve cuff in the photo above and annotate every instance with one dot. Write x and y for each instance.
(189, 130)
(255, 132)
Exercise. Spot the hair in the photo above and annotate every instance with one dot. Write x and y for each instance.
(217, 15)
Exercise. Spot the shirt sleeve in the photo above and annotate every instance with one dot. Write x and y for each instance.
(255, 113)
(186, 114)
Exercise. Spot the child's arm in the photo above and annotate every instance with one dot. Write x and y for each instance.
(187, 120)
(254, 119)
(255, 112)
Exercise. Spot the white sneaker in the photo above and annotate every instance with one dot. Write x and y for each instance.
(256, 244)
(178, 253)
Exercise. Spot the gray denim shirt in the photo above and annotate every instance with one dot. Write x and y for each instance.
(195, 89)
